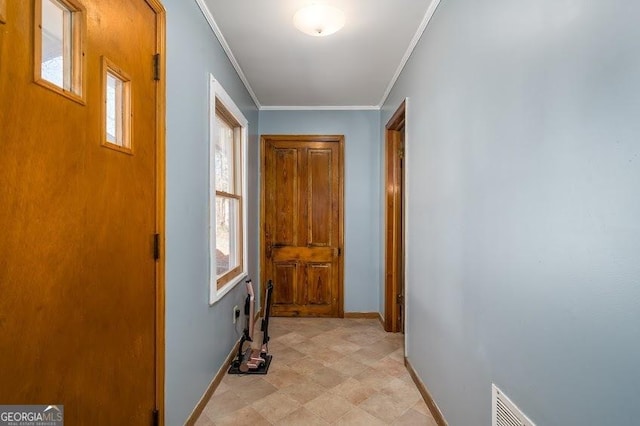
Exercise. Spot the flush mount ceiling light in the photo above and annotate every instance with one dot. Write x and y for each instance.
(319, 20)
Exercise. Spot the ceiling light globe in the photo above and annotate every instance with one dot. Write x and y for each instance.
(319, 20)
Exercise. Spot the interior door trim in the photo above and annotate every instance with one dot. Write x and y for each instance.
(394, 238)
(160, 106)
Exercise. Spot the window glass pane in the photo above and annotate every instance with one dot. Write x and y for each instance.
(228, 166)
(224, 158)
(114, 109)
(227, 234)
(56, 44)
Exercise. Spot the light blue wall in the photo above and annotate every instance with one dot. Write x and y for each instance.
(198, 336)
(523, 162)
(362, 272)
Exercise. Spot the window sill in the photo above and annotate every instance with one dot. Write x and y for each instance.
(218, 293)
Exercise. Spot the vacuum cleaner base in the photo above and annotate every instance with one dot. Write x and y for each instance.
(262, 369)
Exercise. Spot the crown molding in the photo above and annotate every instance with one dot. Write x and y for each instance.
(225, 46)
(320, 108)
(414, 41)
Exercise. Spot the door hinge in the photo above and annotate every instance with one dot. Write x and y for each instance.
(156, 246)
(156, 417)
(400, 299)
(339, 251)
(156, 67)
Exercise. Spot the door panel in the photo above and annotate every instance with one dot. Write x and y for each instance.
(285, 276)
(320, 229)
(319, 284)
(302, 223)
(78, 305)
(286, 182)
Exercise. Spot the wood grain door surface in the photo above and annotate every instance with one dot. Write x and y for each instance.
(77, 267)
(394, 222)
(303, 224)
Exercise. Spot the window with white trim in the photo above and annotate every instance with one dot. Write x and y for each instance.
(228, 188)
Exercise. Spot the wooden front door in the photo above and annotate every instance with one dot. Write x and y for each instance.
(302, 218)
(80, 294)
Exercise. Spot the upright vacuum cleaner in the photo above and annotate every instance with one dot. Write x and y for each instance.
(249, 360)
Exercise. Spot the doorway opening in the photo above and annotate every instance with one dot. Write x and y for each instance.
(394, 315)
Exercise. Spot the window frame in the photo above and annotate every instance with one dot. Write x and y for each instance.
(78, 34)
(125, 99)
(235, 192)
(232, 115)
(3, 11)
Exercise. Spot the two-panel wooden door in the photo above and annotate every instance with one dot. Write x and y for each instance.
(79, 306)
(303, 224)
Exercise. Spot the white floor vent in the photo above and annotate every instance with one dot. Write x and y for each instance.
(504, 412)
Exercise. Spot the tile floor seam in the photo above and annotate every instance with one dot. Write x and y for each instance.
(341, 363)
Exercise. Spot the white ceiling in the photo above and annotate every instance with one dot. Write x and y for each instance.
(283, 67)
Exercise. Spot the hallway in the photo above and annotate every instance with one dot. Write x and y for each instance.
(325, 371)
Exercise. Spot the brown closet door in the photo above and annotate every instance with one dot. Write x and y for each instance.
(78, 217)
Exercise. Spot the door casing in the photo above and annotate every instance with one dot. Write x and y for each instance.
(394, 221)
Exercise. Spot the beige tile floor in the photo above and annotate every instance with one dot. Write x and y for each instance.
(325, 371)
